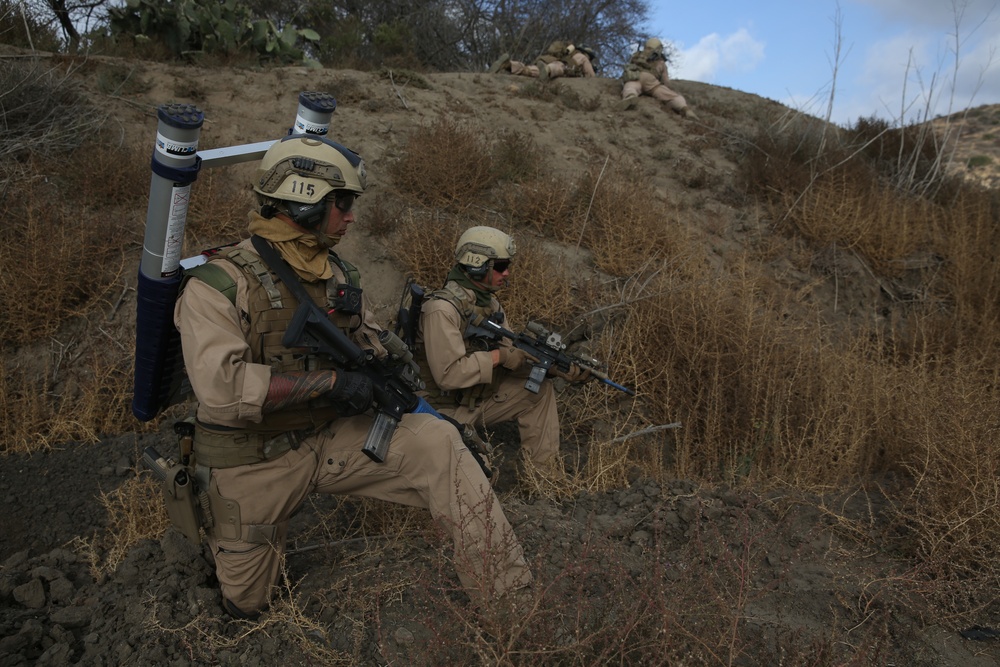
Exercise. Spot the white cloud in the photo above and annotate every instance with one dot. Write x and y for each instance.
(713, 54)
(934, 13)
(912, 74)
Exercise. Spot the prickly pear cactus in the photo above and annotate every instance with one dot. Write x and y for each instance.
(224, 26)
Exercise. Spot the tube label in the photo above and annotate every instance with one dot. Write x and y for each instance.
(175, 149)
(180, 197)
(303, 126)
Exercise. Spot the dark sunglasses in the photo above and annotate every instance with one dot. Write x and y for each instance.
(344, 201)
(501, 265)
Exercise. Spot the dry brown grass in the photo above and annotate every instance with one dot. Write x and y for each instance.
(63, 278)
(454, 163)
(135, 512)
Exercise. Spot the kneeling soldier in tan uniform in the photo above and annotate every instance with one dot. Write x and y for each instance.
(275, 424)
(475, 382)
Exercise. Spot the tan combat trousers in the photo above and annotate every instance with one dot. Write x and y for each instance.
(557, 68)
(427, 466)
(537, 417)
(520, 69)
(650, 85)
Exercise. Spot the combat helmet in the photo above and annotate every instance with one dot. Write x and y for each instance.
(653, 44)
(298, 175)
(478, 247)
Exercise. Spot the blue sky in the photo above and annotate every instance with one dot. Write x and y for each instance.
(893, 53)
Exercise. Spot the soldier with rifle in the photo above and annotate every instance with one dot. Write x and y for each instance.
(646, 74)
(299, 390)
(483, 376)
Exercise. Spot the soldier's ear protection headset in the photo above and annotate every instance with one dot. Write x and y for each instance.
(477, 272)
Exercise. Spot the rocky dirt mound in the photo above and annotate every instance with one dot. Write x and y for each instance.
(783, 568)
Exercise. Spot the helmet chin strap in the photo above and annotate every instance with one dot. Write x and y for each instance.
(324, 241)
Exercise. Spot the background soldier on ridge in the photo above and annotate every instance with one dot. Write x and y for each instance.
(646, 74)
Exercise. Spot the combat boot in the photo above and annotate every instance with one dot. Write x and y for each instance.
(501, 64)
(689, 113)
(628, 103)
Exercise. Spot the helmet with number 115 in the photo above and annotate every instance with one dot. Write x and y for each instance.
(299, 174)
(479, 246)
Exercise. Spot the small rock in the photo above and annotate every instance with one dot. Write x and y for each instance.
(31, 594)
(403, 636)
(72, 617)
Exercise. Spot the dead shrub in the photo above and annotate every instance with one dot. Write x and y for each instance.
(424, 246)
(57, 255)
(45, 115)
(135, 512)
(447, 163)
(70, 392)
(516, 156)
(220, 202)
(860, 214)
(541, 287)
(624, 229)
(549, 206)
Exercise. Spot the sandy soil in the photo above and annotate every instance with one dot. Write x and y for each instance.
(804, 578)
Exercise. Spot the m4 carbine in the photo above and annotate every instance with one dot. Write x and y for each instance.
(545, 346)
(395, 380)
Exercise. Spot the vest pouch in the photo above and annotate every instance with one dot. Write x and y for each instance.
(179, 496)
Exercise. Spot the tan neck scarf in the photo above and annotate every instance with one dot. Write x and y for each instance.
(299, 248)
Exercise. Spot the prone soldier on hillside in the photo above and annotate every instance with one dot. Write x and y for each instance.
(479, 381)
(560, 59)
(277, 419)
(646, 74)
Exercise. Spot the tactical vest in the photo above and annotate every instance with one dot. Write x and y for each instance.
(466, 306)
(271, 307)
(636, 64)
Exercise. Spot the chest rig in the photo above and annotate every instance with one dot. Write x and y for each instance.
(457, 296)
(270, 307)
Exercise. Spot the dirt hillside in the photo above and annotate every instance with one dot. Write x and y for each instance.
(788, 569)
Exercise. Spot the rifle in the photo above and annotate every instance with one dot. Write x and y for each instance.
(545, 346)
(394, 385)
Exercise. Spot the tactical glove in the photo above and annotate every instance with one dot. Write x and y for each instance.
(512, 358)
(576, 373)
(353, 391)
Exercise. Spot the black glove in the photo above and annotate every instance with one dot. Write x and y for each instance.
(353, 391)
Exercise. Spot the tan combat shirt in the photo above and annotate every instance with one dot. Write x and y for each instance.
(229, 384)
(441, 332)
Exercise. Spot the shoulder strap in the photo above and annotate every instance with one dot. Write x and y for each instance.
(250, 262)
(216, 277)
(350, 271)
